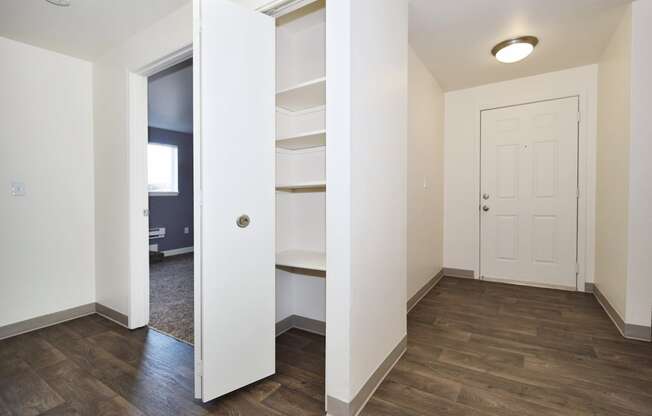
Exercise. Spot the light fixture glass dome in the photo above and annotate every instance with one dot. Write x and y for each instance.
(62, 3)
(514, 50)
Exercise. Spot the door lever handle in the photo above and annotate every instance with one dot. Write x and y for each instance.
(485, 208)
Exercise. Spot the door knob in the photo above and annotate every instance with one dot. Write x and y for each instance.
(485, 208)
(485, 196)
(243, 221)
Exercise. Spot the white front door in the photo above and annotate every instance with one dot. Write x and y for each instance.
(528, 198)
(236, 62)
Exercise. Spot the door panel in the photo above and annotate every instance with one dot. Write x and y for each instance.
(529, 176)
(237, 106)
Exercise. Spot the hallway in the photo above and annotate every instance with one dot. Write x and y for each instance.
(478, 348)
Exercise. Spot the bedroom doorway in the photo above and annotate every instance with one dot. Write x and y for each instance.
(170, 199)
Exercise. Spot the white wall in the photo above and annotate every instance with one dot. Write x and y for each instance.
(462, 162)
(425, 176)
(367, 50)
(115, 200)
(639, 291)
(379, 94)
(46, 141)
(624, 192)
(613, 147)
(338, 204)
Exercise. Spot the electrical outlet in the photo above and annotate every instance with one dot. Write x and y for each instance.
(186, 230)
(17, 189)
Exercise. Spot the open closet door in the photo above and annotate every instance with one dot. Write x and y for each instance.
(236, 58)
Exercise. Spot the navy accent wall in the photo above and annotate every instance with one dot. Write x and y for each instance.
(174, 212)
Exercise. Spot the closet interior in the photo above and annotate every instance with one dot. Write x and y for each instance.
(301, 163)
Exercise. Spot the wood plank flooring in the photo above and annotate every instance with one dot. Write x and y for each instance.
(474, 348)
(91, 366)
(478, 348)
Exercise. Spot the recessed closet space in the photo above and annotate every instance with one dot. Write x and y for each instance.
(301, 168)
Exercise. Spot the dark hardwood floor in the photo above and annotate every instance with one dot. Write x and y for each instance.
(91, 366)
(474, 348)
(478, 348)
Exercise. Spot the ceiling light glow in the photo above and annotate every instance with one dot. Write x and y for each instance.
(514, 50)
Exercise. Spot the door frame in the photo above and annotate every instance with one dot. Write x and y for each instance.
(138, 304)
(138, 192)
(577, 173)
(586, 175)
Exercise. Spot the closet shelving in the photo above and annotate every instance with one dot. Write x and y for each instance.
(302, 259)
(316, 186)
(303, 96)
(301, 142)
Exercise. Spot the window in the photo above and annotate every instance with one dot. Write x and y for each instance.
(162, 169)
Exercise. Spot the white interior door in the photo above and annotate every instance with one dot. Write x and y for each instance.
(236, 58)
(529, 193)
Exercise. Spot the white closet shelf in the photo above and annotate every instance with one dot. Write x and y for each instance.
(310, 260)
(298, 186)
(303, 96)
(303, 141)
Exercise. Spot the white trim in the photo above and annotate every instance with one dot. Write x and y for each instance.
(197, 195)
(178, 251)
(586, 177)
(138, 311)
(165, 62)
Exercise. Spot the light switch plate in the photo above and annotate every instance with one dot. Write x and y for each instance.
(17, 188)
(186, 230)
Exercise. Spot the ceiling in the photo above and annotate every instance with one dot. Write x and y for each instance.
(454, 37)
(86, 29)
(170, 98)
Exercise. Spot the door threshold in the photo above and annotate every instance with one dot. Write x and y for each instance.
(170, 335)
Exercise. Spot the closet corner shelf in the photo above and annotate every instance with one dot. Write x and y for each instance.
(318, 186)
(303, 96)
(300, 259)
(303, 141)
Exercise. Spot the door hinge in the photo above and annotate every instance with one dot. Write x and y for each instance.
(198, 368)
(577, 194)
(579, 116)
(577, 269)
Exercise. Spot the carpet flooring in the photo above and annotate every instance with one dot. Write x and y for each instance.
(171, 297)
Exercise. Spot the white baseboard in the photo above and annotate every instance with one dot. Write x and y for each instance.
(178, 251)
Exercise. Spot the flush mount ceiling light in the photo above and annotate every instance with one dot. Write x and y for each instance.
(62, 3)
(514, 50)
